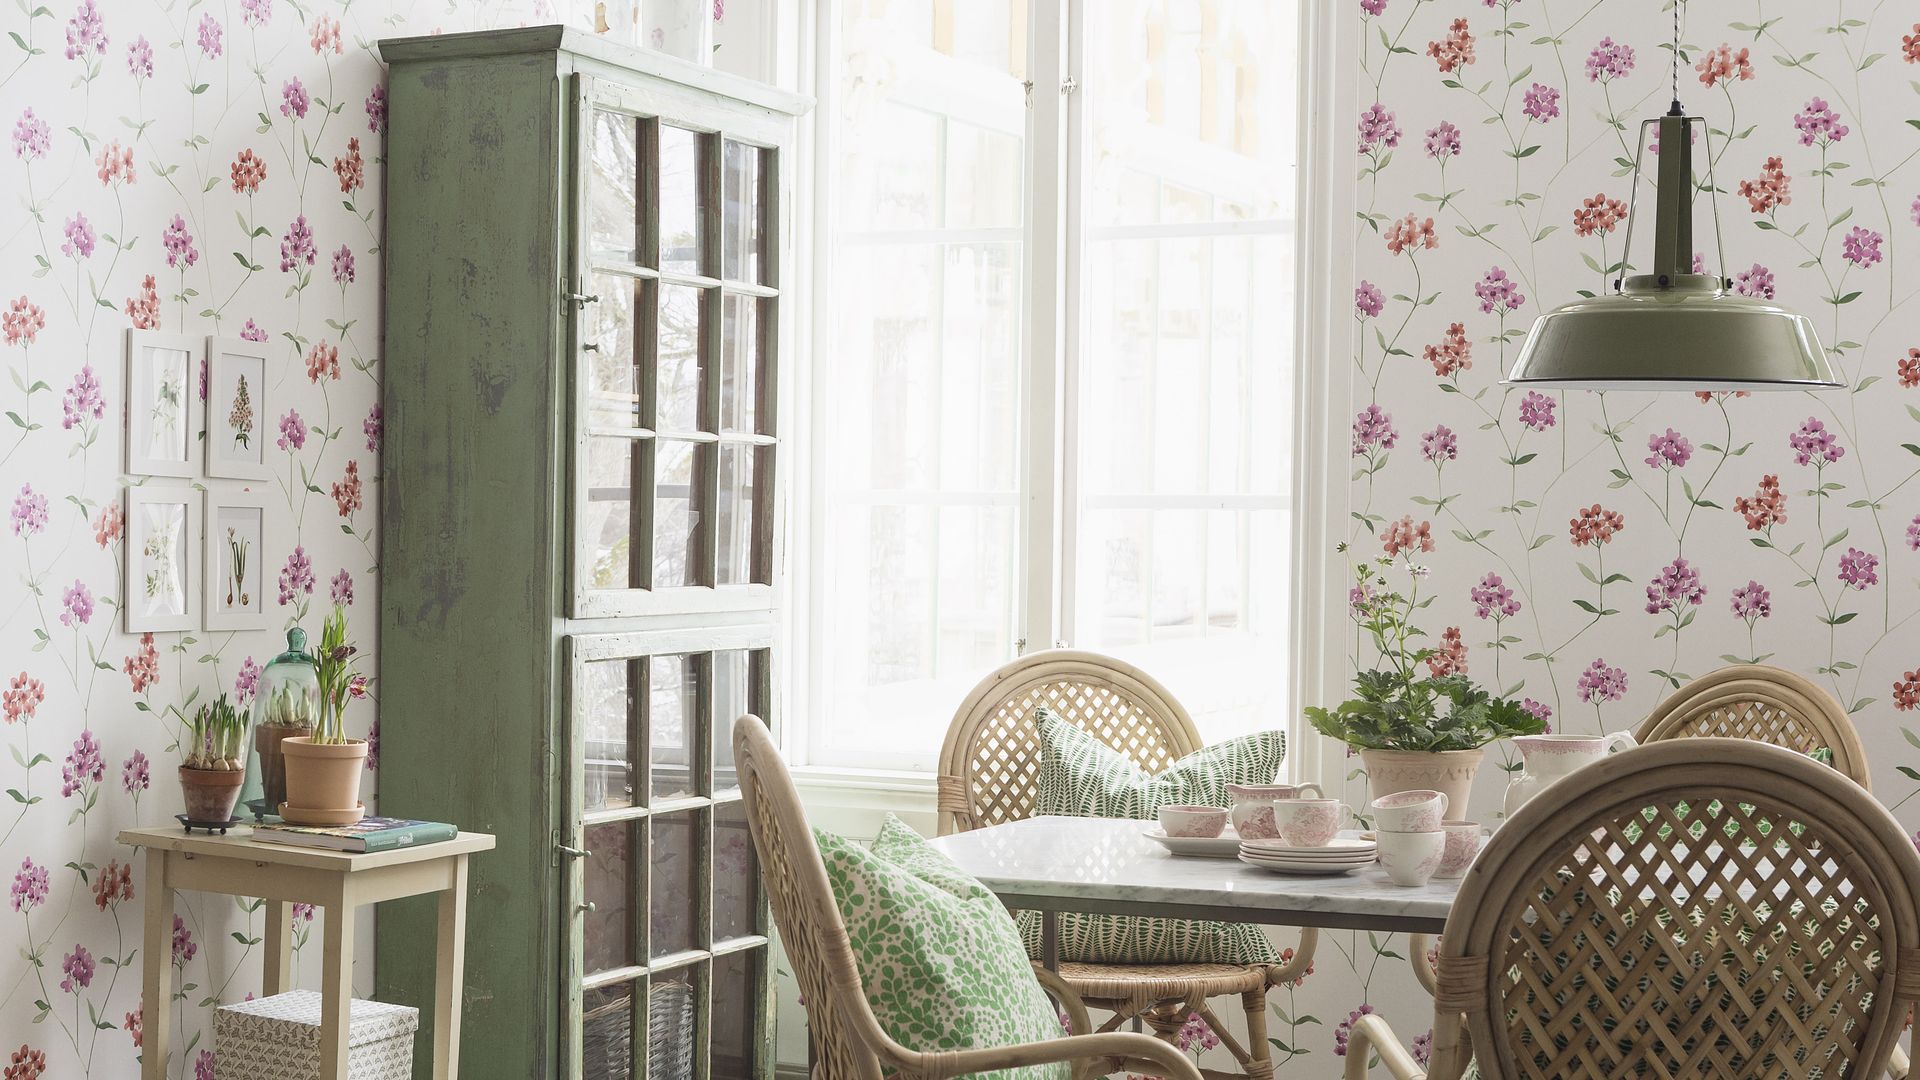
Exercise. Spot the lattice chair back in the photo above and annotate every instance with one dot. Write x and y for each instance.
(991, 758)
(1686, 909)
(1765, 704)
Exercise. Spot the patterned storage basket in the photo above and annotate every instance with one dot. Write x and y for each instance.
(670, 1042)
(278, 1038)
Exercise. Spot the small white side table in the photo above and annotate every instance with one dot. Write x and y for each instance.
(332, 881)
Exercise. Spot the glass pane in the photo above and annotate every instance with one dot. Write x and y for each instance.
(677, 381)
(671, 1009)
(673, 688)
(680, 210)
(677, 840)
(606, 716)
(743, 236)
(615, 466)
(606, 1023)
(608, 886)
(734, 516)
(732, 699)
(736, 1014)
(745, 319)
(983, 177)
(736, 874)
(675, 521)
(890, 176)
(612, 189)
(613, 364)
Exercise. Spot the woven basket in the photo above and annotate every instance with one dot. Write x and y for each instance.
(670, 1032)
(607, 1041)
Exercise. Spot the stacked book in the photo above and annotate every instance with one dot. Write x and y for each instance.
(365, 835)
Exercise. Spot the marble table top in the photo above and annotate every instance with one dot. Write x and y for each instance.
(1109, 865)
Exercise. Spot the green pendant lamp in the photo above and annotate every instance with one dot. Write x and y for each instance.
(1673, 329)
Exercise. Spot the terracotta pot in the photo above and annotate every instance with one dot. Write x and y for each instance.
(323, 778)
(273, 763)
(211, 793)
(1450, 772)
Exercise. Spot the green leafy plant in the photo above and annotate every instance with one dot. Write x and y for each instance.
(215, 737)
(339, 683)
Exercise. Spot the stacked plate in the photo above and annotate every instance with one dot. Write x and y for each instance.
(1341, 855)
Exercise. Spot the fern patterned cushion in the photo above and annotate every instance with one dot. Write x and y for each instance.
(1080, 776)
(941, 963)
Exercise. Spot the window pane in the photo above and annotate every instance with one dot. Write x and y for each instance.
(734, 515)
(615, 468)
(609, 873)
(613, 363)
(889, 172)
(743, 210)
(675, 519)
(736, 875)
(732, 699)
(736, 983)
(982, 176)
(681, 232)
(606, 1043)
(671, 1009)
(677, 843)
(606, 715)
(677, 384)
(741, 359)
(673, 688)
(612, 190)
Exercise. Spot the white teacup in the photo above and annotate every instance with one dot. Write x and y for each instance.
(1410, 858)
(1464, 839)
(1307, 822)
(1253, 806)
(1409, 811)
(1202, 822)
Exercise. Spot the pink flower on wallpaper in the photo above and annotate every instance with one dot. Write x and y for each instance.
(252, 332)
(86, 33)
(1766, 508)
(247, 172)
(1594, 525)
(346, 493)
(83, 765)
(1443, 141)
(22, 321)
(80, 238)
(293, 432)
(1906, 696)
(1408, 233)
(1439, 445)
(144, 308)
(1908, 369)
(1814, 444)
(1453, 51)
(294, 99)
(1859, 569)
(1536, 410)
(29, 514)
(1373, 7)
(256, 12)
(1913, 534)
(247, 682)
(373, 427)
(373, 745)
(1668, 451)
(140, 59)
(296, 577)
(1609, 60)
(1541, 103)
(82, 400)
(351, 170)
(323, 362)
(1601, 682)
(1598, 214)
(1724, 65)
(22, 697)
(31, 136)
(30, 886)
(136, 774)
(78, 967)
(1752, 601)
(1540, 710)
(1404, 535)
(1910, 45)
(26, 1063)
(143, 667)
(203, 1066)
(1498, 292)
(179, 244)
(76, 605)
(1367, 300)
(1769, 190)
(1452, 355)
(340, 589)
(1817, 122)
(1757, 282)
(1677, 587)
(211, 36)
(377, 109)
(1195, 1034)
(114, 165)
(106, 526)
(296, 247)
(1373, 427)
(1343, 1031)
(1378, 129)
(1861, 247)
(325, 35)
(1493, 599)
(184, 947)
(1422, 1046)
(343, 266)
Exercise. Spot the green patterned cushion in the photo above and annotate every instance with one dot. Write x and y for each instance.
(1080, 776)
(940, 961)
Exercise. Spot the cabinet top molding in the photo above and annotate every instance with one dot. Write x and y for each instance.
(566, 39)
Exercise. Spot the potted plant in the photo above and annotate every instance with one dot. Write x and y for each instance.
(323, 769)
(1415, 720)
(214, 768)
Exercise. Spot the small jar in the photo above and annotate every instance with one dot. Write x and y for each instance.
(287, 704)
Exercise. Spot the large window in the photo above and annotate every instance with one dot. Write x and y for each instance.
(1156, 478)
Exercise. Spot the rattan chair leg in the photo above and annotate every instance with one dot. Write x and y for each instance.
(1419, 947)
(1259, 1061)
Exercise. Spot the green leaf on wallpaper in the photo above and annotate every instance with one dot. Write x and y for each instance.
(1840, 217)
(1910, 448)
(1521, 77)
(1866, 382)
(1849, 298)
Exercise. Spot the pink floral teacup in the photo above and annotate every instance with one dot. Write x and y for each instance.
(1253, 806)
(1410, 858)
(1463, 846)
(1307, 822)
(1194, 822)
(1419, 811)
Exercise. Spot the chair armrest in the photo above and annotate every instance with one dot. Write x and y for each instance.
(1067, 998)
(1418, 945)
(1371, 1035)
(1123, 1047)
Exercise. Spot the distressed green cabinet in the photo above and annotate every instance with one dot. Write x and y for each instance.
(581, 516)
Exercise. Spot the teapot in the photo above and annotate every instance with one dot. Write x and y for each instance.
(1549, 757)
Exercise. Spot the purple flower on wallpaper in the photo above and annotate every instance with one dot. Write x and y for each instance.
(252, 332)
(1859, 568)
(1378, 129)
(179, 244)
(31, 136)
(377, 109)
(1443, 140)
(1422, 1047)
(1344, 1029)
(296, 577)
(78, 967)
(1609, 60)
(140, 59)
(1373, 427)
(1699, 262)
(1536, 410)
(1498, 292)
(293, 432)
(1755, 282)
(1913, 534)
(1752, 601)
(76, 605)
(80, 238)
(373, 427)
(1493, 599)
(29, 514)
(1669, 451)
(136, 775)
(211, 35)
(184, 948)
(1373, 7)
(256, 12)
(1439, 445)
(82, 765)
(1601, 683)
(1819, 123)
(341, 589)
(82, 400)
(1540, 710)
(203, 1066)
(343, 266)
(296, 246)
(294, 99)
(373, 745)
(1677, 586)
(1541, 103)
(1368, 301)
(30, 886)
(1915, 210)
(1861, 247)
(1814, 443)
(85, 32)
(247, 683)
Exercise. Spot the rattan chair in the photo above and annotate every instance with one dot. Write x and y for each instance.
(848, 1042)
(1727, 909)
(1765, 704)
(989, 767)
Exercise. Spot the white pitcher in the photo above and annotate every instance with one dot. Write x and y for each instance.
(1549, 757)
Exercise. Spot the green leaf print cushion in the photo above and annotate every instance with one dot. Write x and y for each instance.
(941, 963)
(1080, 776)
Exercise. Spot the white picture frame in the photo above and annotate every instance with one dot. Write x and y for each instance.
(236, 536)
(238, 414)
(160, 588)
(163, 381)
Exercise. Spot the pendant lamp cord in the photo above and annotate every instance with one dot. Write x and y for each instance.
(1674, 67)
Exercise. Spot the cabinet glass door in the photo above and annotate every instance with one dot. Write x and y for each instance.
(667, 963)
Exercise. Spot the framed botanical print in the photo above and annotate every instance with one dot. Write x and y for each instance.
(237, 411)
(236, 548)
(163, 373)
(163, 559)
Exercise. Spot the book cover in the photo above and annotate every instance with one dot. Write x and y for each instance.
(365, 835)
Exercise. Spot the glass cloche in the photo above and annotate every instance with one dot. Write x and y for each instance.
(286, 702)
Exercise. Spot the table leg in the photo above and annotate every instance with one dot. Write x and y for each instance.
(336, 990)
(450, 975)
(157, 1004)
(1050, 940)
(278, 976)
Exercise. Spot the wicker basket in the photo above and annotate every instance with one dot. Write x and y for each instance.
(607, 1041)
(670, 1032)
